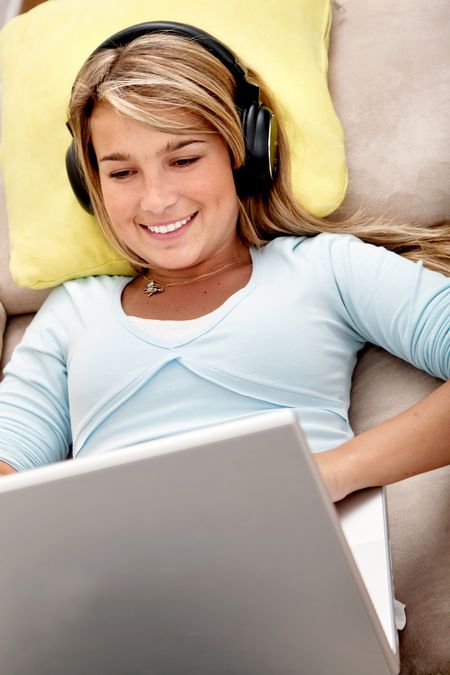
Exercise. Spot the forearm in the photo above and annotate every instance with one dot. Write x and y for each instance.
(413, 442)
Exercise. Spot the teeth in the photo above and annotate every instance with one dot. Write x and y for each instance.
(162, 229)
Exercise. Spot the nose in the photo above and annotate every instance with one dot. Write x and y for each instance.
(158, 193)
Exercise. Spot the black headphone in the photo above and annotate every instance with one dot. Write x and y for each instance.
(259, 124)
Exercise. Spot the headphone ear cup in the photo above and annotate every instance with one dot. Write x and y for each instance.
(265, 146)
(76, 178)
(249, 127)
(261, 141)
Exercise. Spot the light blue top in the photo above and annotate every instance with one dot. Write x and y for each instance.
(86, 373)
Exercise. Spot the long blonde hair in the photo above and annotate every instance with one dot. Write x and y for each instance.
(162, 73)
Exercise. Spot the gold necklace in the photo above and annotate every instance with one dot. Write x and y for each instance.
(154, 286)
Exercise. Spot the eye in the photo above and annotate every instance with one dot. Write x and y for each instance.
(120, 175)
(185, 161)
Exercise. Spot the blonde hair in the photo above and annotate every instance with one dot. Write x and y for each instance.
(160, 74)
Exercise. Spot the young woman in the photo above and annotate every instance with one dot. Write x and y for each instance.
(241, 303)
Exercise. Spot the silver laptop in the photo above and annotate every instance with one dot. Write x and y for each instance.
(212, 552)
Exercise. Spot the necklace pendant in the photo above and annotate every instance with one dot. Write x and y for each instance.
(153, 287)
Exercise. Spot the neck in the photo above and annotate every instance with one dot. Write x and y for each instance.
(155, 285)
(240, 255)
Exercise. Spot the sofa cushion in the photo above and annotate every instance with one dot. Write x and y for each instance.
(15, 328)
(389, 66)
(384, 386)
(287, 42)
(419, 526)
(2, 326)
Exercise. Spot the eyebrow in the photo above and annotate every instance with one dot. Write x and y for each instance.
(115, 157)
(171, 146)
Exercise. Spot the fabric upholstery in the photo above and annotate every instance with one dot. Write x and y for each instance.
(383, 386)
(389, 80)
(418, 508)
(3, 318)
(12, 335)
(419, 523)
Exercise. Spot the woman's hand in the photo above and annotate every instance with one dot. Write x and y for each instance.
(333, 473)
(5, 468)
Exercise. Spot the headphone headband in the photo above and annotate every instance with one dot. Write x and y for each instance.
(247, 91)
(259, 124)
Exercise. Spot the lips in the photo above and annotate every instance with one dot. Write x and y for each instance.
(169, 227)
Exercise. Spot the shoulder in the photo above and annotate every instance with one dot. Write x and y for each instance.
(336, 250)
(318, 244)
(88, 289)
(101, 283)
(323, 250)
(344, 261)
(84, 295)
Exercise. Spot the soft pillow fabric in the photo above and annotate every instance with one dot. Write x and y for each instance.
(389, 77)
(14, 300)
(52, 239)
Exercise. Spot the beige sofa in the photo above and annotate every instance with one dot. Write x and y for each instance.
(388, 74)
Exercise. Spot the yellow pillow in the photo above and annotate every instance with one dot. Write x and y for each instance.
(52, 239)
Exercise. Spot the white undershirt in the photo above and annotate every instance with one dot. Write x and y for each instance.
(164, 329)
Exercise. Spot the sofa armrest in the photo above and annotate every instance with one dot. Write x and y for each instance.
(2, 327)
(14, 329)
(418, 509)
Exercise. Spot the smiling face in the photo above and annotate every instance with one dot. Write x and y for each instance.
(170, 198)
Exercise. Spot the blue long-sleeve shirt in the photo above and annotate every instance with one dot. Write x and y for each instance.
(85, 373)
